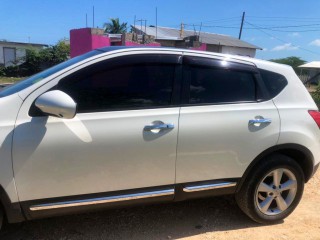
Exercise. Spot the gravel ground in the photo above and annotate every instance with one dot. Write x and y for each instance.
(214, 218)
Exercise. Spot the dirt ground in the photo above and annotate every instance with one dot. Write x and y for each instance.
(215, 218)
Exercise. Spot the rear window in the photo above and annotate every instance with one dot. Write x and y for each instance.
(274, 82)
(216, 85)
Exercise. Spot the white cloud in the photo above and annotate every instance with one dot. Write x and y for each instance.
(265, 49)
(285, 47)
(295, 34)
(315, 43)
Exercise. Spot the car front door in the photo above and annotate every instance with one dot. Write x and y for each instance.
(225, 122)
(123, 136)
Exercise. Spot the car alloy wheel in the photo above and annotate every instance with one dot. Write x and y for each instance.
(276, 192)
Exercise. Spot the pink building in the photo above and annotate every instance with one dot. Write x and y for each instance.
(86, 39)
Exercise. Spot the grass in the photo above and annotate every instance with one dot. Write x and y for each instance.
(9, 79)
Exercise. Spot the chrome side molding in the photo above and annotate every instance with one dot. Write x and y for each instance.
(128, 197)
(102, 200)
(209, 186)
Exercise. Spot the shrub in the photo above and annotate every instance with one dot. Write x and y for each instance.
(38, 60)
(316, 96)
(11, 71)
(2, 72)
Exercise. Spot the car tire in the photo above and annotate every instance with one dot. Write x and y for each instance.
(272, 190)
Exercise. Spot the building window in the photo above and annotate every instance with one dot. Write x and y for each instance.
(9, 56)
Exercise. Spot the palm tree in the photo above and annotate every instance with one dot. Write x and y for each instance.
(114, 26)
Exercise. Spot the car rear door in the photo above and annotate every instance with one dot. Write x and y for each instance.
(123, 138)
(225, 120)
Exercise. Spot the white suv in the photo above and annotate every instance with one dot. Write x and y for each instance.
(124, 126)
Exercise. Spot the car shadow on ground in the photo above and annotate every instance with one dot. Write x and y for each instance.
(164, 221)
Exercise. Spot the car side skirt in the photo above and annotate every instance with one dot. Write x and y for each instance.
(50, 207)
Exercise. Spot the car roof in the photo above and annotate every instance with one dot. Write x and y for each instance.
(230, 57)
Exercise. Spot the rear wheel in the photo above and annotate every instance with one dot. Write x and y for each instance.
(273, 190)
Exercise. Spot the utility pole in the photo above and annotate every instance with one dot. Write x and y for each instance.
(181, 30)
(145, 25)
(243, 14)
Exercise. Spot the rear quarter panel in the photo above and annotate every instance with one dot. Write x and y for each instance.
(293, 103)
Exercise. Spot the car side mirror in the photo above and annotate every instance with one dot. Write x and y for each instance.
(57, 103)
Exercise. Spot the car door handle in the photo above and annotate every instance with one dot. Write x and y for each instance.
(260, 120)
(163, 126)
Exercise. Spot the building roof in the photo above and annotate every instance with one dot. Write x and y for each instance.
(24, 44)
(315, 64)
(164, 33)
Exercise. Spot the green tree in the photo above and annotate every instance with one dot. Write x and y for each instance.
(114, 26)
(294, 62)
(55, 54)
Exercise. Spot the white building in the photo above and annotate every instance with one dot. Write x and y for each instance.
(211, 42)
(12, 53)
(311, 73)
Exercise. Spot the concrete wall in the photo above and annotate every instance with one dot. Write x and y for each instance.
(214, 48)
(239, 51)
(203, 47)
(129, 43)
(166, 43)
(86, 39)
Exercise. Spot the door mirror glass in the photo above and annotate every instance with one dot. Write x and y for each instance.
(57, 103)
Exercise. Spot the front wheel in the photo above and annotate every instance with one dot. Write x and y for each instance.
(273, 190)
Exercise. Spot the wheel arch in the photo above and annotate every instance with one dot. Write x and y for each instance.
(299, 153)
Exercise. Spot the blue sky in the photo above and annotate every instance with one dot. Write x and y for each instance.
(282, 28)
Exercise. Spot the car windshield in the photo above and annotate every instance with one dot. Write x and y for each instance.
(17, 87)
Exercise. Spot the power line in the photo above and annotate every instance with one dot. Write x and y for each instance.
(261, 27)
(295, 26)
(302, 18)
(297, 31)
(212, 26)
(285, 42)
(231, 19)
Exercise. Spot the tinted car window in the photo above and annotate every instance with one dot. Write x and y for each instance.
(274, 82)
(42, 75)
(103, 87)
(215, 85)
